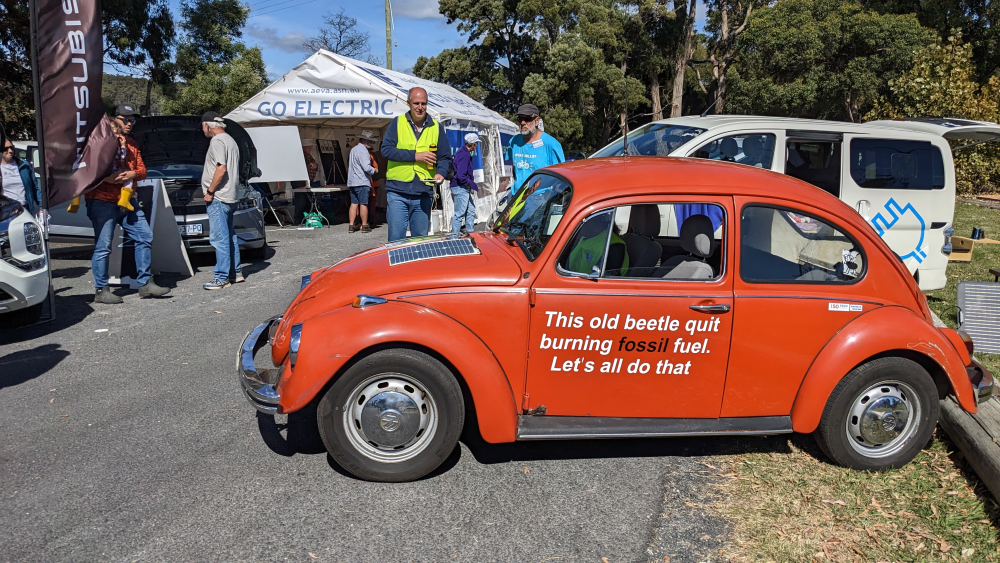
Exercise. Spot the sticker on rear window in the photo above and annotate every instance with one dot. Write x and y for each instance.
(847, 307)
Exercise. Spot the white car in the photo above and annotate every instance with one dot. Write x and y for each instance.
(24, 275)
(899, 175)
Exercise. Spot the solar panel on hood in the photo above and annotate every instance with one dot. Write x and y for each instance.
(434, 249)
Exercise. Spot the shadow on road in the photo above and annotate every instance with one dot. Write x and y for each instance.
(19, 367)
(70, 310)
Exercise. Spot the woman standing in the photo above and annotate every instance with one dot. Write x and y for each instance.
(19, 182)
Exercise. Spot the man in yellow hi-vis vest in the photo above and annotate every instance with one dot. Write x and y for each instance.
(419, 156)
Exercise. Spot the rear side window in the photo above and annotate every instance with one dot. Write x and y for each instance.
(786, 246)
(896, 164)
(755, 149)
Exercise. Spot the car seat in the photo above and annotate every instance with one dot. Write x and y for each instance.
(729, 149)
(640, 242)
(754, 151)
(696, 240)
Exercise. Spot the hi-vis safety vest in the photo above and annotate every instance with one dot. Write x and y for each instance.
(589, 252)
(405, 139)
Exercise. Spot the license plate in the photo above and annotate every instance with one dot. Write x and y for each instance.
(189, 229)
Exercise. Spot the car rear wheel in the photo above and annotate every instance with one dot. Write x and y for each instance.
(395, 415)
(880, 415)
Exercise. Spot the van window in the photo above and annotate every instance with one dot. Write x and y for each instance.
(787, 246)
(896, 164)
(652, 139)
(755, 149)
(815, 162)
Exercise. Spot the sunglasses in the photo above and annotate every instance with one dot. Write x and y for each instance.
(8, 148)
(526, 118)
(128, 120)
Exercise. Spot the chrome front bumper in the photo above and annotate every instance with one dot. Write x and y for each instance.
(259, 386)
(982, 380)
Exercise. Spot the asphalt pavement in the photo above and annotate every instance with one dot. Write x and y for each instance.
(126, 438)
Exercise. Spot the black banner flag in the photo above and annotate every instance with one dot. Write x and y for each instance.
(75, 138)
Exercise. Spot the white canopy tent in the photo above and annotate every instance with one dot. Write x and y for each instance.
(332, 99)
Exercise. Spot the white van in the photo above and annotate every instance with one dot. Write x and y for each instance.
(899, 175)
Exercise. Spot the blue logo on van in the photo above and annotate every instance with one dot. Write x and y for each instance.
(896, 213)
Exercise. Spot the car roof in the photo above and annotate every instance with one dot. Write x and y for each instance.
(598, 179)
(710, 122)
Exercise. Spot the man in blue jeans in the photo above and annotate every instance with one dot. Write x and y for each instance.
(464, 186)
(220, 182)
(419, 156)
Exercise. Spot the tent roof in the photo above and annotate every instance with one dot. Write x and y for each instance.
(329, 89)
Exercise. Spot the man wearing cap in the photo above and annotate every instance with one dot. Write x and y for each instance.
(359, 180)
(533, 148)
(220, 181)
(419, 156)
(105, 213)
(464, 186)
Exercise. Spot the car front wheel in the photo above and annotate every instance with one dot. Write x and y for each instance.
(395, 415)
(880, 415)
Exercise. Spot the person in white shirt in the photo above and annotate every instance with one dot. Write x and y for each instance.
(19, 181)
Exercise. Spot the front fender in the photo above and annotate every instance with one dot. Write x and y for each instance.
(329, 341)
(873, 333)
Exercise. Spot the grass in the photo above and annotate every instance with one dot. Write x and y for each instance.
(796, 506)
(944, 302)
(787, 502)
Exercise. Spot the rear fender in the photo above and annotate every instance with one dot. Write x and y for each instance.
(332, 340)
(873, 334)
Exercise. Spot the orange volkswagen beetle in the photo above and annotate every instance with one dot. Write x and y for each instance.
(620, 298)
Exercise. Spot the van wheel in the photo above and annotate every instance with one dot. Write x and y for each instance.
(393, 416)
(880, 415)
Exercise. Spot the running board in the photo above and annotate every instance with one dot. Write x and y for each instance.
(584, 427)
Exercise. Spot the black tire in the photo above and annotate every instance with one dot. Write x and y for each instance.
(21, 317)
(431, 380)
(255, 253)
(848, 441)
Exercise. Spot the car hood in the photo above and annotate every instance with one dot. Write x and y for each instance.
(370, 273)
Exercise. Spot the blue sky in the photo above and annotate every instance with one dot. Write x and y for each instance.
(280, 27)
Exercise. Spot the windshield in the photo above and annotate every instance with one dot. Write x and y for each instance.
(652, 139)
(534, 213)
(175, 171)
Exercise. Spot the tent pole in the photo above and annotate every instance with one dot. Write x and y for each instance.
(40, 139)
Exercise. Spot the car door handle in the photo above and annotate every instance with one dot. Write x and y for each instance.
(711, 308)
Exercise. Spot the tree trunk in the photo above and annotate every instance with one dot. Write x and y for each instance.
(721, 93)
(683, 56)
(654, 94)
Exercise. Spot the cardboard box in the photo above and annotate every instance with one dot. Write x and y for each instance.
(961, 249)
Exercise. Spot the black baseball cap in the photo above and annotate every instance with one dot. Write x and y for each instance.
(210, 116)
(125, 109)
(528, 109)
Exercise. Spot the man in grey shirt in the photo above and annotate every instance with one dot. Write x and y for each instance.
(359, 180)
(220, 182)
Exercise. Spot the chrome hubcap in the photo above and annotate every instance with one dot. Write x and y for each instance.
(883, 418)
(390, 418)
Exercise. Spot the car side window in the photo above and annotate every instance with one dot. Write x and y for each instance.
(662, 241)
(755, 150)
(787, 246)
(896, 164)
(815, 162)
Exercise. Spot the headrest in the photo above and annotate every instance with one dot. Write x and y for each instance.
(696, 235)
(729, 148)
(753, 148)
(645, 220)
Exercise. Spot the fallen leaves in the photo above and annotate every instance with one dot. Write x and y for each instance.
(840, 502)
